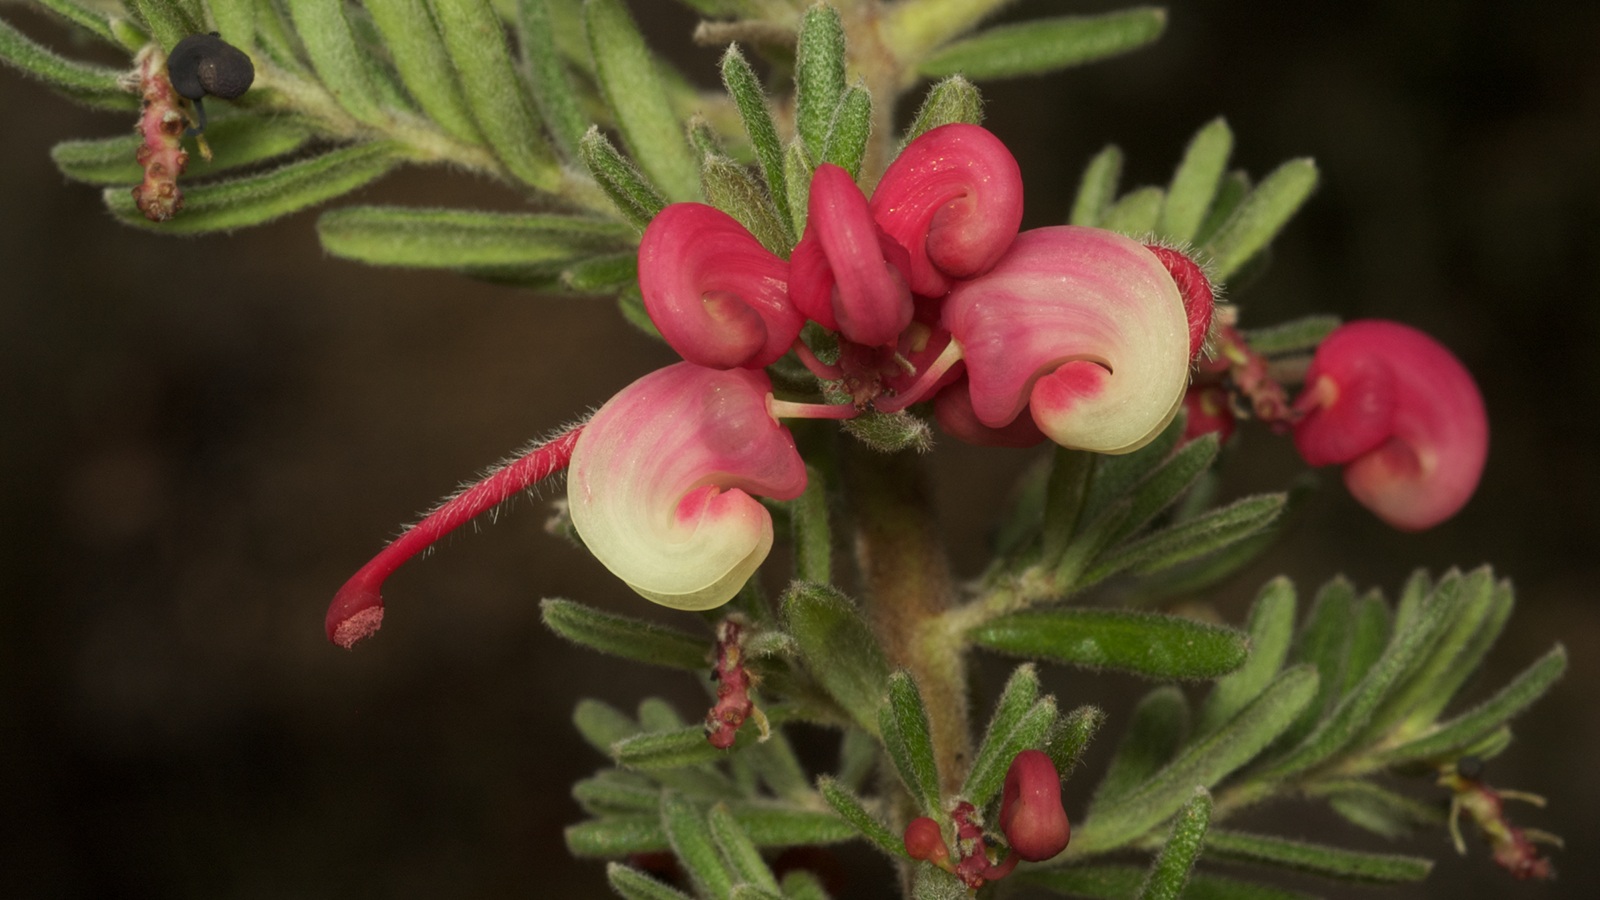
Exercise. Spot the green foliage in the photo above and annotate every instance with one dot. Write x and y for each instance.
(903, 726)
(1144, 644)
(1046, 45)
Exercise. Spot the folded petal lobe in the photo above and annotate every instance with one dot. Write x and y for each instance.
(846, 274)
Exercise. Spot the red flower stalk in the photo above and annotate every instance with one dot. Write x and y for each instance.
(357, 609)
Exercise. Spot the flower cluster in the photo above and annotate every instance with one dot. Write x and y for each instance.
(1031, 818)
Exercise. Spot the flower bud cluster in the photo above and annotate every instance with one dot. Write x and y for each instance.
(1032, 821)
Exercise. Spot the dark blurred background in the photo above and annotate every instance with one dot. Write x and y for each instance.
(201, 439)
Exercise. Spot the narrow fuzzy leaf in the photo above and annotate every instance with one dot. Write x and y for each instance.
(1016, 698)
(858, 757)
(1039, 46)
(1122, 882)
(264, 196)
(169, 21)
(1169, 873)
(838, 649)
(1154, 646)
(423, 63)
(235, 140)
(849, 806)
(1463, 730)
(751, 892)
(630, 78)
(614, 836)
(1299, 336)
(1271, 629)
(751, 100)
(623, 636)
(951, 100)
(86, 83)
(602, 724)
(476, 43)
(741, 855)
(1379, 810)
(1071, 736)
(1190, 540)
(1318, 859)
(637, 199)
(778, 767)
(848, 132)
(903, 724)
(1260, 216)
(459, 239)
(1066, 494)
(1203, 763)
(341, 63)
(1135, 213)
(797, 169)
(813, 536)
(1324, 642)
(1089, 544)
(1156, 730)
(892, 432)
(1481, 611)
(274, 38)
(1172, 479)
(672, 749)
(657, 714)
(730, 187)
(602, 274)
(611, 792)
(632, 884)
(1234, 188)
(1194, 184)
(1115, 476)
(551, 86)
(803, 885)
(1097, 188)
(692, 843)
(84, 17)
(818, 76)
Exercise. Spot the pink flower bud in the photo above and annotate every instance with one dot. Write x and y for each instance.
(1031, 816)
(719, 297)
(660, 483)
(953, 199)
(1082, 326)
(924, 841)
(1209, 411)
(846, 274)
(1402, 415)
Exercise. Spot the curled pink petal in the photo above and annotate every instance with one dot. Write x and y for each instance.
(953, 409)
(1031, 816)
(357, 609)
(660, 483)
(953, 199)
(846, 274)
(1403, 416)
(717, 296)
(1084, 327)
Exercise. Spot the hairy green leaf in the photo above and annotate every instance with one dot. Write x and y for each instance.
(462, 239)
(740, 853)
(612, 791)
(803, 885)
(1162, 487)
(342, 64)
(1016, 699)
(692, 843)
(1114, 476)
(604, 274)
(1045, 45)
(423, 64)
(1324, 642)
(236, 141)
(1195, 182)
(951, 100)
(1377, 809)
(1157, 729)
(751, 100)
(838, 649)
(1271, 628)
(1097, 188)
(1319, 859)
(903, 724)
(89, 84)
(1121, 882)
(85, 17)
(858, 757)
(1066, 492)
(632, 81)
(1135, 213)
(1169, 873)
(549, 83)
(636, 198)
(1451, 737)
(797, 168)
(169, 21)
(1482, 610)
(1071, 736)
(624, 636)
(849, 806)
(632, 884)
(1192, 539)
(602, 724)
(732, 189)
(848, 132)
(813, 537)
(818, 76)
(1154, 646)
(1260, 216)
(767, 825)
(1299, 336)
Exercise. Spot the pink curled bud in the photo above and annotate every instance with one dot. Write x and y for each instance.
(1402, 415)
(846, 274)
(661, 481)
(924, 841)
(1083, 327)
(953, 199)
(1031, 816)
(718, 297)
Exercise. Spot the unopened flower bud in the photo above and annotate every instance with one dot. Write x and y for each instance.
(1031, 816)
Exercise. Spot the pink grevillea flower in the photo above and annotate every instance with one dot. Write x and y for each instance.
(1083, 327)
(660, 483)
(953, 199)
(846, 274)
(1402, 415)
(1031, 816)
(718, 297)
(357, 609)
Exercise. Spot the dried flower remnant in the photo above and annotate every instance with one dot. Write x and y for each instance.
(734, 704)
(161, 127)
(1515, 849)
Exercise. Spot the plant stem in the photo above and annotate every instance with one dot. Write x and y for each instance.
(909, 587)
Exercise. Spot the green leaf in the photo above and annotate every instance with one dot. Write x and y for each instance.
(1185, 541)
(602, 274)
(797, 169)
(1484, 608)
(1324, 642)
(235, 140)
(1299, 336)
(1379, 810)
(1169, 481)
(1194, 185)
(1234, 188)
(891, 432)
(341, 63)
(1135, 214)
(476, 43)
(848, 132)
(751, 100)
(84, 17)
(1039, 46)
(1260, 216)
(1016, 699)
(903, 724)
(858, 757)
(262, 197)
(818, 76)
(849, 806)
(1271, 628)
(952, 100)
(1157, 729)
(813, 536)
(170, 21)
(1154, 646)
(463, 239)
(742, 856)
(616, 836)
(551, 87)
(838, 649)
(778, 767)
(1169, 873)
(732, 189)
(89, 84)
(637, 199)
(1318, 859)
(691, 840)
(420, 57)
(803, 885)
(624, 636)
(633, 87)
(1120, 882)
(1114, 476)
(1203, 763)
(1066, 493)
(1071, 736)
(602, 724)
(632, 884)
(1451, 737)
(612, 791)
(672, 749)
(1097, 188)
(235, 21)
